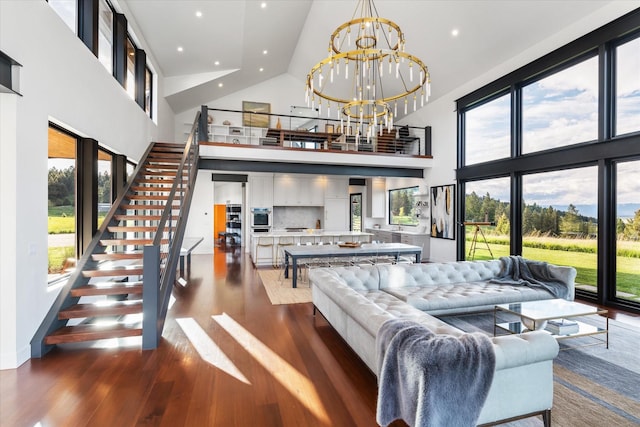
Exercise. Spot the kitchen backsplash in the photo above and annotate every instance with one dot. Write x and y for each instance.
(304, 216)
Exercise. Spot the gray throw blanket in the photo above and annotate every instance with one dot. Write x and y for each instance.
(431, 380)
(536, 274)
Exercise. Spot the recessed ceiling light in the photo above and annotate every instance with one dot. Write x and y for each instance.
(220, 84)
(216, 63)
(180, 49)
(263, 4)
(199, 14)
(261, 69)
(455, 32)
(264, 52)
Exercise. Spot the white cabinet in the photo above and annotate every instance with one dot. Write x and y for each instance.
(235, 134)
(376, 197)
(261, 191)
(336, 214)
(294, 190)
(337, 188)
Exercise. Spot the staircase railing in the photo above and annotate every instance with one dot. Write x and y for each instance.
(51, 322)
(155, 287)
(160, 260)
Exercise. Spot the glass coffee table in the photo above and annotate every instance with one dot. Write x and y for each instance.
(556, 316)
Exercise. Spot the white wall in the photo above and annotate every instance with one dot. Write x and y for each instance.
(281, 92)
(61, 81)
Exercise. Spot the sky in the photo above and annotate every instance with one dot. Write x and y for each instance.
(560, 110)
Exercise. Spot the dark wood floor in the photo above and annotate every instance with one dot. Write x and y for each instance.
(259, 365)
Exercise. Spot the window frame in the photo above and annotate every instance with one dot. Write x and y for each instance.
(603, 152)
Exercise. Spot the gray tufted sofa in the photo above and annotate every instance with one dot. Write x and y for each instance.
(356, 301)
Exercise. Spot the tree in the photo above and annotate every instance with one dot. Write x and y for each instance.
(632, 227)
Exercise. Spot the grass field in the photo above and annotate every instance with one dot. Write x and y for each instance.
(62, 220)
(57, 257)
(584, 259)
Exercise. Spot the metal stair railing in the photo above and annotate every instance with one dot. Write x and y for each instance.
(160, 261)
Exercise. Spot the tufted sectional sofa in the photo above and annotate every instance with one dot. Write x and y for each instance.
(356, 301)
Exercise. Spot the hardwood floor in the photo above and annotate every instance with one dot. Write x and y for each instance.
(228, 358)
(284, 367)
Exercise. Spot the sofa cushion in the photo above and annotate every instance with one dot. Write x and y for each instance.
(408, 275)
(463, 295)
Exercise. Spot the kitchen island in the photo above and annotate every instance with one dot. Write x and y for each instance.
(264, 246)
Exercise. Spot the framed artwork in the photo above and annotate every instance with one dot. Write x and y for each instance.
(250, 119)
(329, 128)
(443, 211)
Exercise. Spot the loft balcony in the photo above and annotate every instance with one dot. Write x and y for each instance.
(302, 137)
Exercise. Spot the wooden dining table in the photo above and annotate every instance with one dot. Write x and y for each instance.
(294, 253)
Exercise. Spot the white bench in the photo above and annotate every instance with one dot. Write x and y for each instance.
(188, 245)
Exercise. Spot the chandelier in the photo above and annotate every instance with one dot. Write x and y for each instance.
(366, 73)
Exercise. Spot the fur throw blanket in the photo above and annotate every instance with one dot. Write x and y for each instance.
(519, 271)
(431, 380)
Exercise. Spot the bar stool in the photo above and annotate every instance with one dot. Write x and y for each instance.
(307, 240)
(326, 240)
(264, 242)
(279, 255)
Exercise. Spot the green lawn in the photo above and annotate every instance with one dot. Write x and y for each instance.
(62, 220)
(628, 268)
(57, 257)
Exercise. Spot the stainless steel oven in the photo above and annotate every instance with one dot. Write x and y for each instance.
(260, 219)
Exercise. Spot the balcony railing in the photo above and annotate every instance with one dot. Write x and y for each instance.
(304, 130)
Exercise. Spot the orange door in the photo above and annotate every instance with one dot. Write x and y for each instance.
(219, 220)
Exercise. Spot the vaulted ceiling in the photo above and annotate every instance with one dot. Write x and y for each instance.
(223, 49)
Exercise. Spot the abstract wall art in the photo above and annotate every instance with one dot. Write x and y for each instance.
(443, 211)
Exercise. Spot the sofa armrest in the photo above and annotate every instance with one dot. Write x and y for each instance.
(566, 275)
(524, 349)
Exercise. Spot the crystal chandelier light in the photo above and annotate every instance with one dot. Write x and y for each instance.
(366, 74)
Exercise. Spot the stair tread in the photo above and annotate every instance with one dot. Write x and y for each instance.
(69, 334)
(115, 308)
(114, 272)
(108, 288)
(126, 242)
(114, 256)
(138, 217)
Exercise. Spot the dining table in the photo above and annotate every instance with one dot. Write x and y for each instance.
(293, 254)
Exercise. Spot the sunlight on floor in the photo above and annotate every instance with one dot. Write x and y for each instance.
(208, 350)
(296, 383)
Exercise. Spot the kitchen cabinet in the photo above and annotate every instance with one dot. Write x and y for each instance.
(336, 214)
(293, 190)
(261, 191)
(337, 188)
(376, 197)
(421, 240)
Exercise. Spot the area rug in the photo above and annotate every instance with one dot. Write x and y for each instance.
(593, 386)
(280, 290)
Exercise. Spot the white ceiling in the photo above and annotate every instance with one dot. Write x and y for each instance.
(296, 35)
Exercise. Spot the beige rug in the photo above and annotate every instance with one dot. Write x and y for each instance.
(280, 291)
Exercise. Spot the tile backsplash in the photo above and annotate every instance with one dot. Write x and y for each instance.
(298, 216)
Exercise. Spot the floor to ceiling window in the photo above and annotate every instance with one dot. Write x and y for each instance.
(560, 221)
(486, 219)
(356, 212)
(562, 136)
(61, 201)
(628, 231)
(561, 109)
(105, 35)
(105, 192)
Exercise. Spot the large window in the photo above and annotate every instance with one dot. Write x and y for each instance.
(148, 92)
(575, 141)
(487, 131)
(61, 202)
(356, 212)
(67, 10)
(105, 193)
(131, 69)
(560, 221)
(486, 219)
(105, 35)
(628, 231)
(402, 202)
(561, 109)
(628, 87)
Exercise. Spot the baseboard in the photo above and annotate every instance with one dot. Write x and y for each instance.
(14, 360)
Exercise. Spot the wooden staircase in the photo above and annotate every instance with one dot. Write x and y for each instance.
(104, 296)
